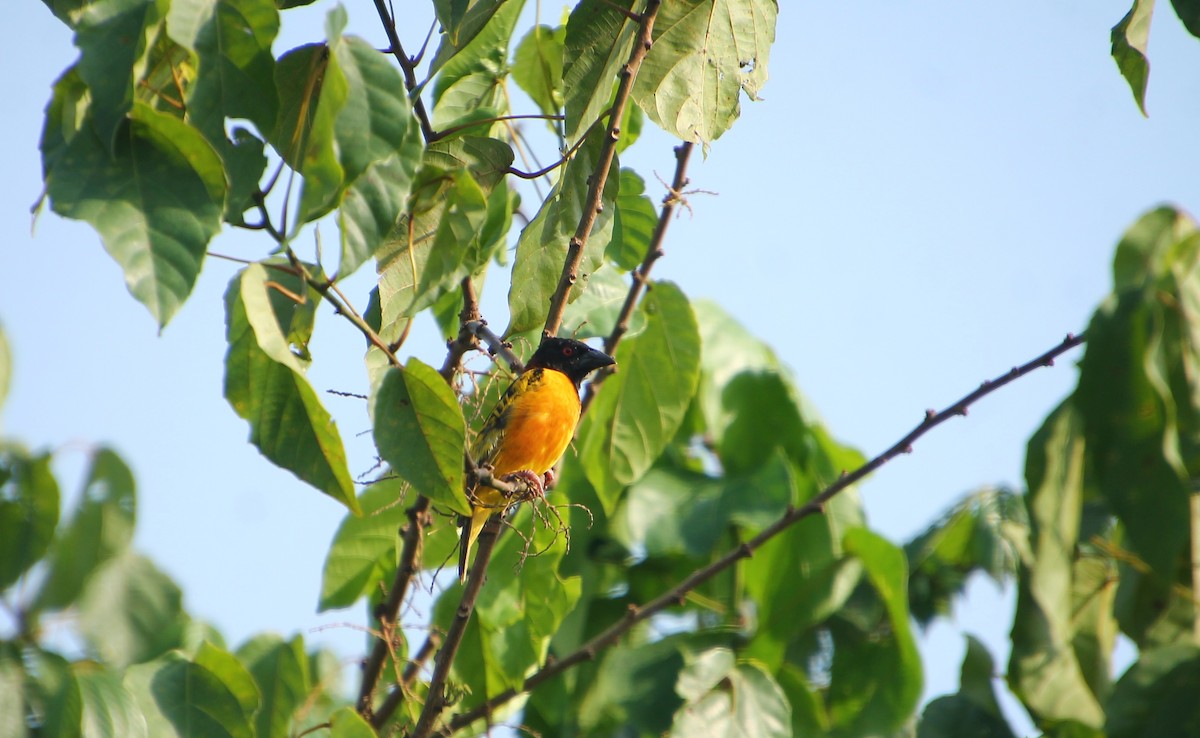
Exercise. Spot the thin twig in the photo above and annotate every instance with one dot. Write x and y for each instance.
(641, 275)
(411, 670)
(498, 119)
(407, 67)
(497, 346)
(673, 596)
(418, 519)
(466, 339)
(562, 160)
(593, 202)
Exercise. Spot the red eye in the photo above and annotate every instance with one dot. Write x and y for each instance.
(568, 350)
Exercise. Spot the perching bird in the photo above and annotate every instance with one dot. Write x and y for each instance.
(530, 428)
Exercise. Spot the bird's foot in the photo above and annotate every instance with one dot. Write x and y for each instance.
(533, 482)
(549, 480)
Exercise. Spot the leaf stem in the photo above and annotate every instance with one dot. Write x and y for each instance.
(636, 614)
(608, 150)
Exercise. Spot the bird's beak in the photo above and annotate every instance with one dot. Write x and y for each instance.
(597, 359)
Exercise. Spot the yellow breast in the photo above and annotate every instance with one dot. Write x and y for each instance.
(539, 425)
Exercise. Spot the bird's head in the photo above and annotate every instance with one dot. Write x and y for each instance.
(574, 358)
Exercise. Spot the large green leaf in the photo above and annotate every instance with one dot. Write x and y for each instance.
(1140, 407)
(265, 382)
(420, 432)
(538, 66)
(364, 547)
(130, 611)
(346, 723)
(29, 501)
(1129, 39)
(876, 681)
(594, 314)
(109, 709)
(599, 39)
(727, 699)
(470, 86)
(379, 146)
(12, 692)
(638, 409)
(100, 528)
(156, 200)
(542, 247)
(52, 695)
(280, 671)
(112, 36)
(705, 53)
(1189, 14)
(461, 21)
(236, 75)
(635, 684)
(1156, 698)
(312, 90)
(1043, 669)
(212, 696)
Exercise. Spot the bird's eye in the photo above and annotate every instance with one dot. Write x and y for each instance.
(568, 350)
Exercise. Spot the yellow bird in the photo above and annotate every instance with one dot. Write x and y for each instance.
(529, 429)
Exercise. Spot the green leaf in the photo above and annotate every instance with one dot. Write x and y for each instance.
(538, 66)
(52, 694)
(130, 611)
(470, 85)
(420, 432)
(12, 692)
(109, 709)
(974, 710)
(728, 699)
(364, 547)
(112, 37)
(379, 147)
(542, 247)
(1156, 698)
(156, 201)
(638, 409)
(205, 697)
(312, 91)
(1043, 669)
(981, 533)
(876, 686)
(101, 527)
(346, 723)
(265, 382)
(6, 365)
(636, 220)
(1129, 38)
(599, 40)
(1189, 14)
(595, 313)
(420, 265)
(1140, 412)
(705, 53)
(635, 683)
(280, 671)
(236, 70)
(461, 21)
(29, 501)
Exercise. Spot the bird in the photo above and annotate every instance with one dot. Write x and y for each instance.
(529, 429)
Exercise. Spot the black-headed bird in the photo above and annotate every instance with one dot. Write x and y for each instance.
(529, 429)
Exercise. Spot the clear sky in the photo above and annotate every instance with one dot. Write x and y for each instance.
(928, 194)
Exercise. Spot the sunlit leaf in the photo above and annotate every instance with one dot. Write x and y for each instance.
(130, 611)
(280, 671)
(181, 698)
(635, 222)
(109, 708)
(599, 39)
(29, 501)
(725, 699)
(1129, 39)
(538, 66)
(364, 547)
(1156, 698)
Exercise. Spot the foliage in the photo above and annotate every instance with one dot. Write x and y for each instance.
(694, 572)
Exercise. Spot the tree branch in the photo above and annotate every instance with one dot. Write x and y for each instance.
(407, 66)
(816, 505)
(641, 275)
(466, 339)
(592, 204)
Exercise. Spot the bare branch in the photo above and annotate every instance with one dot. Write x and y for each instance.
(592, 204)
(641, 275)
(408, 67)
(814, 506)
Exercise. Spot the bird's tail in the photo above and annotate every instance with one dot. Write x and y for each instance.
(470, 532)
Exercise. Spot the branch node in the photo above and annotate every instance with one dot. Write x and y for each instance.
(930, 414)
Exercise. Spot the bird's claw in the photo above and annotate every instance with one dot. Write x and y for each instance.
(533, 481)
(549, 479)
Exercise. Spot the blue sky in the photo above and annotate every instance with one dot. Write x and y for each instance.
(928, 194)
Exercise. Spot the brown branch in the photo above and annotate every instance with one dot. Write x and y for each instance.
(673, 596)
(641, 275)
(388, 612)
(407, 67)
(593, 204)
(466, 339)
(411, 669)
(561, 161)
(497, 346)
(435, 700)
